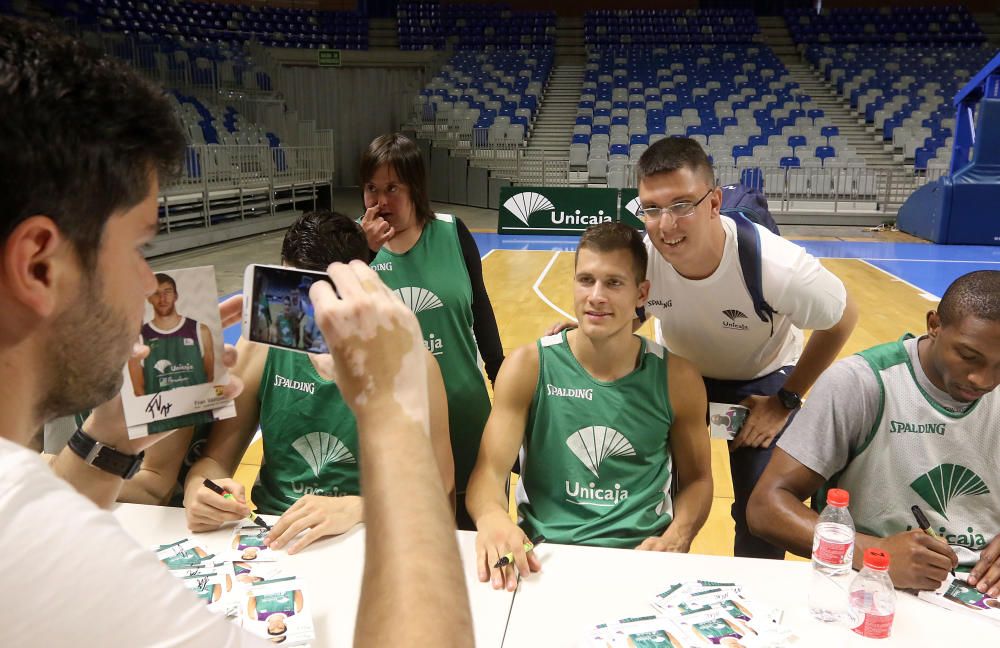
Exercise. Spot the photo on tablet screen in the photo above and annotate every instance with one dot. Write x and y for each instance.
(280, 312)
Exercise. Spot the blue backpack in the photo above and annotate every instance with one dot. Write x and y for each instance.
(746, 206)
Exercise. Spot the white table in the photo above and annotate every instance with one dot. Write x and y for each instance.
(580, 587)
(332, 569)
(577, 588)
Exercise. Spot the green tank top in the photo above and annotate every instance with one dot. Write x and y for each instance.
(431, 278)
(595, 461)
(310, 436)
(174, 361)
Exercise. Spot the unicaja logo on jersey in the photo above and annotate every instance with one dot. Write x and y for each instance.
(320, 449)
(732, 320)
(526, 203)
(419, 299)
(163, 366)
(592, 445)
(940, 485)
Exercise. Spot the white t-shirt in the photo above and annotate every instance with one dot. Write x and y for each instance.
(70, 576)
(712, 323)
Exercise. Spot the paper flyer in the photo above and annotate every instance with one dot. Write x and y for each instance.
(955, 593)
(247, 544)
(725, 419)
(279, 610)
(180, 382)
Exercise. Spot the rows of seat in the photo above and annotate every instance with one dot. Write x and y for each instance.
(497, 93)
(661, 27)
(215, 127)
(907, 95)
(428, 25)
(743, 112)
(214, 22)
(900, 25)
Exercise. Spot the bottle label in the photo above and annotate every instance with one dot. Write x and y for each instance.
(831, 553)
(875, 626)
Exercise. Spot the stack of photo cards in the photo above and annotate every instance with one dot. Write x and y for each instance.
(180, 382)
(696, 614)
(256, 593)
(955, 593)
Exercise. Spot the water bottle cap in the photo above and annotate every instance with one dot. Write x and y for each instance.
(838, 497)
(876, 559)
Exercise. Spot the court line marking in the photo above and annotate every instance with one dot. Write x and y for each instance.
(538, 282)
(920, 291)
(491, 251)
(921, 260)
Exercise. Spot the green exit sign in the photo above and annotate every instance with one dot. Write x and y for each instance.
(328, 57)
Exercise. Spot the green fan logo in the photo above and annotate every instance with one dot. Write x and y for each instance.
(938, 486)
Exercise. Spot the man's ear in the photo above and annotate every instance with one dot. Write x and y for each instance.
(933, 323)
(36, 256)
(643, 292)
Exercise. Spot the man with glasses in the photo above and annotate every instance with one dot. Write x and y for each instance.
(706, 314)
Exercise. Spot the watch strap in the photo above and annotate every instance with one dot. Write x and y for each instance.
(104, 456)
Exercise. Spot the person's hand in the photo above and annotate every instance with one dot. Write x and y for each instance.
(376, 344)
(667, 544)
(559, 327)
(918, 561)
(764, 421)
(985, 576)
(497, 536)
(107, 422)
(206, 510)
(377, 229)
(322, 516)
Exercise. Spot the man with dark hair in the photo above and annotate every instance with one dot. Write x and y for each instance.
(705, 313)
(903, 423)
(603, 418)
(87, 142)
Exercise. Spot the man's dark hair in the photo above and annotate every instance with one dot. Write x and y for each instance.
(403, 155)
(319, 238)
(81, 134)
(609, 237)
(976, 294)
(163, 278)
(675, 153)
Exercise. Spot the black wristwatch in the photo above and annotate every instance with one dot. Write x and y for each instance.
(789, 399)
(103, 456)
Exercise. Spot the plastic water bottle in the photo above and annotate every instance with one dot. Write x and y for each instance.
(832, 558)
(872, 597)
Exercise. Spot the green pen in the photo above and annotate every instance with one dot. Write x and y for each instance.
(253, 517)
(509, 558)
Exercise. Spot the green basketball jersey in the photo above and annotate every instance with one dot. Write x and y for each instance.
(431, 278)
(286, 330)
(917, 452)
(268, 604)
(174, 360)
(596, 463)
(310, 436)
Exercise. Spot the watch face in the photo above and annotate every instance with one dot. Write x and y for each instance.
(790, 400)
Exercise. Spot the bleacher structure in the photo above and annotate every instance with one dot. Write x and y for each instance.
(849, 111)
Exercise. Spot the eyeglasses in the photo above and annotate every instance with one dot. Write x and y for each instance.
(677, 210)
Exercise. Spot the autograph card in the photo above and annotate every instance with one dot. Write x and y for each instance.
(248, 544)
(280, 611)
(725, 420)
(180, 382)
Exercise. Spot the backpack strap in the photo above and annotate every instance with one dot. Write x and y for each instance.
(748, 247)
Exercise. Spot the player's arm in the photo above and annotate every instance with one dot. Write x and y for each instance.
(776, 513)
(138, 379)
(226, 444)
(440, 437)
(207, 353)
(486, 498)
(155, 481)
(298, 600)
(692, 458)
